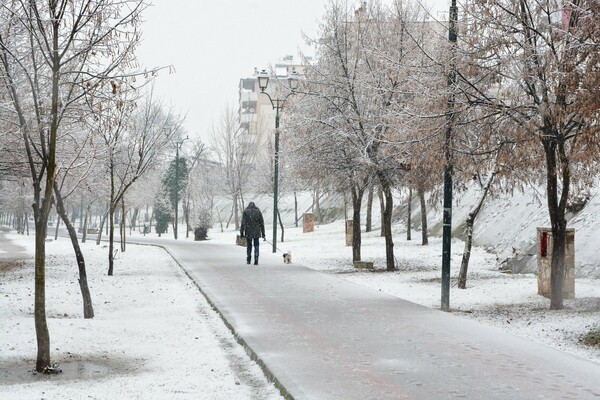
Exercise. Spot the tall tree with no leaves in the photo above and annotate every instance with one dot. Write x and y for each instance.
(356, 126)
(135, 132)
(235, 156)
(51, 53)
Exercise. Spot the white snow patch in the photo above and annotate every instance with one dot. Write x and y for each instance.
(153, 336)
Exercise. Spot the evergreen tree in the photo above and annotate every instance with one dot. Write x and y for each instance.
(162, 213)
(175, 180)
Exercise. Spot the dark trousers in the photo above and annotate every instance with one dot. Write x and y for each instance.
(249, 243)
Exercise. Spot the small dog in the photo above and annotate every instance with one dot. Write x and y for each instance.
(287, 257)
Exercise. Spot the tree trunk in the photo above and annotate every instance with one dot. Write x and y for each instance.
(123, 223)
(220, 219)
(387, 223)
(296, 208)
(242, 202)
(146, 221)
(357, 195)
(81, 222)
(556, 208)
(557, 272)
(470, 223)
(56, 230)
(318, 216)
(464, 266)
(281, 226)
(236, 212)
(41, 325)
(381, 212)
(88, 309)
(424, 237)
(101, 227)
(111, 221)
(186, 214)
(345, 206)
(133, 222)
(369, 222)
(229, 219)
(111, 239)
(41, 229)
(409, 215)
(85, 225)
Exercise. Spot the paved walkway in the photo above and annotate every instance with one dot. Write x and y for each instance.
(9, 250)
(320, 337)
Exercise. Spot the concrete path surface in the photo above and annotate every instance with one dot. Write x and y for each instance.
(320, 337)
(9, 250)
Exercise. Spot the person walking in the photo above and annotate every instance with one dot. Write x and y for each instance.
(253, 228)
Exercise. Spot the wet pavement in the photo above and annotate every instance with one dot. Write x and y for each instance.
(320, 337)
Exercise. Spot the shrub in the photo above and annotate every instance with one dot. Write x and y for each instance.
(592, 338)
(201, 222)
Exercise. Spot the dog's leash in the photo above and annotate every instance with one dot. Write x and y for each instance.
(276, 248)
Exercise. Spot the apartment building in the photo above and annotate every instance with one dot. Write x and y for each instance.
(256, 113)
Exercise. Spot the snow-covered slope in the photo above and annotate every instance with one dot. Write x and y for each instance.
(506, 226)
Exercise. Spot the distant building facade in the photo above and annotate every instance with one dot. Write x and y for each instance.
(256, 114)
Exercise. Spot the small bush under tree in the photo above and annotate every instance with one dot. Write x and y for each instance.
(592, 338)
(201, 223)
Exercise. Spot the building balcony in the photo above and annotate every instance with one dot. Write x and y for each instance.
(247, 118)
(248, 96)
(248, 106)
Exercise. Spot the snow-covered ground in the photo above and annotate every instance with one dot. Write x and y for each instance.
(154, 336)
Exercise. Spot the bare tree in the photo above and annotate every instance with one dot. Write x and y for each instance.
(233, 151)
(142, 193)
(534, 62)
(358, 90)
(134, 136)
(330, 121)
(51, 54)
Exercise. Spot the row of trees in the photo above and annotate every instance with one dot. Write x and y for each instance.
(76, 106)
(519, 93)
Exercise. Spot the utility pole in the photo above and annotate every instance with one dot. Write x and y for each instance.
(447, 221)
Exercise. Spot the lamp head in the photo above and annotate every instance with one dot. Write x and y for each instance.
(294, 81)
(263, 80)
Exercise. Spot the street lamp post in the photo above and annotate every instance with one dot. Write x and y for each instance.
(177, 147)
(447, 220)
(277, 104)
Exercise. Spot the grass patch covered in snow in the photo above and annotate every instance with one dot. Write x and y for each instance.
(592, 338)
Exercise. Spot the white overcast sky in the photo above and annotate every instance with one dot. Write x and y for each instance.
(212, 44)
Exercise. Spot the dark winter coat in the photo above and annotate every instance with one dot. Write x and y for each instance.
(253, 225)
